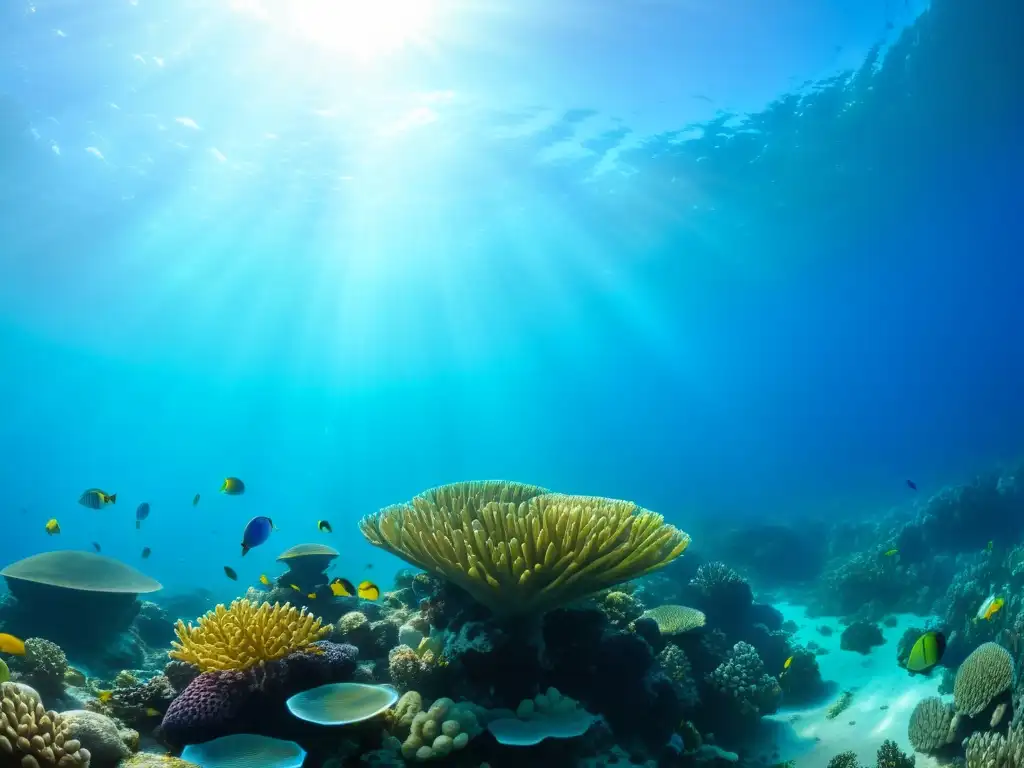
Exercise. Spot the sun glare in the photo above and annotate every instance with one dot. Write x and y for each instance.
(362, 28)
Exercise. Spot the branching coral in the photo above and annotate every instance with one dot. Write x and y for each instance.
(243, 635)
(891, 756)
(518, 549)
(719, 583)
(32, 736)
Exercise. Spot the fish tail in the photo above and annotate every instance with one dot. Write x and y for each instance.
(112, 498)
(138, 525)
(244, 550)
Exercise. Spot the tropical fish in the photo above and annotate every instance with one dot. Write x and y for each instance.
(989, 608)
(368, 566)
(311, 595)
(104, 696)
(141, 513)
(12, 645)
(892, 552)
(146, 552)
(232, 486)
(323, 526)
(926, 652)
(342, 588)
(230, 573)
(96, 546)
(988, 546)
(52, 526)
(368, 590)
(150, 712)
(295, 587)
(787, 663)
(94, 498)
(912, 485)
(195, 499)
(256, 532)
(265, 581)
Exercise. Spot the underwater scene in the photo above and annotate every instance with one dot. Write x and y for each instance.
(569, 383)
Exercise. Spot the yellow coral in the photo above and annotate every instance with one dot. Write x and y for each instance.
(675, 619)
(30, 736)
(518, 549)
(243, 635)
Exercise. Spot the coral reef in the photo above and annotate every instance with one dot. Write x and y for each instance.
(675, 619)
(861, 637)
(445, 727)
(512, 546)
(932, 726)
(107, 744)
(742, 678)
(801, 682)
(44, 665)
(33, 736)
(891, 756)
(242, 635)
(984, 675)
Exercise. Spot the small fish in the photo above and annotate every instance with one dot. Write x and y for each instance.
(926, 652)
(230, 573)
(96, 546)
(232, 486)
(150, 712)
(787, 663)
(11, 644)
(988, 547)
(146, 552)
(195, 499)
(311, 595)
(368, 590)
(892, 552)
(912, 485)
(342, 588)
(295, 587)
(256, 532)
(368, 566)
(989, 608)
(141, 513)
(323, 526)
(94, 498)
(105, 696)
(52, 526)
(265, 581)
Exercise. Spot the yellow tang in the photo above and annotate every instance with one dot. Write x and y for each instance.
(12, 645)
(368, 590)
(926, 652)
(264, 580)
(52, 527)
(105, 696)
(311, 595)
(787, 663)
(295, 587)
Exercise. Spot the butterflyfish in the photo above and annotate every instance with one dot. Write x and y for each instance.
(230, 573)
(368, 590)
(52, 526)
(323, 526)
(105, 696)
(926, 652)
(989, 608)
(94, 498)
(264, 580)
(232, 486)
(11, 645)
(342, 588)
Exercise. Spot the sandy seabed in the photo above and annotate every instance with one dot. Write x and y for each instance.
(884, 695)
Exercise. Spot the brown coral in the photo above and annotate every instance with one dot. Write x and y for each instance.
(33, 737)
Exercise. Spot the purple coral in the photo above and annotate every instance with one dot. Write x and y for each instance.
(222, 703)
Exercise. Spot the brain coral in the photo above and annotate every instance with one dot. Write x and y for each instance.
(932, 725)
(985, 674)
(518, 549)
(32, 736)
(243, 635)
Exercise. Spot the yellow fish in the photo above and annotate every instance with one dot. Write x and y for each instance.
(94, 498)
(12, 645)
(105, 696)
(788, 662)
(990, 608)
(892, 552)
(232, 486)
(342, 588)
(368, 590)
(295, 587)
(264, 580)
(150, 712)
(311, 595)
(52, 527)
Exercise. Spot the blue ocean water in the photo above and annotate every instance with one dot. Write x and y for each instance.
(724, 260)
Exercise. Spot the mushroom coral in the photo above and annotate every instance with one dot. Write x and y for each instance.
(518, 549)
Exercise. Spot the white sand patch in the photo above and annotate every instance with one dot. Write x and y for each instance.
(884, 695)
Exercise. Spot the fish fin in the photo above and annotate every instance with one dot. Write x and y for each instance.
(244, 550)
(112, 498)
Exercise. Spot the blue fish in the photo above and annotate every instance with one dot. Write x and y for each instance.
(141, 513)
(912, 485)
(256, 532)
